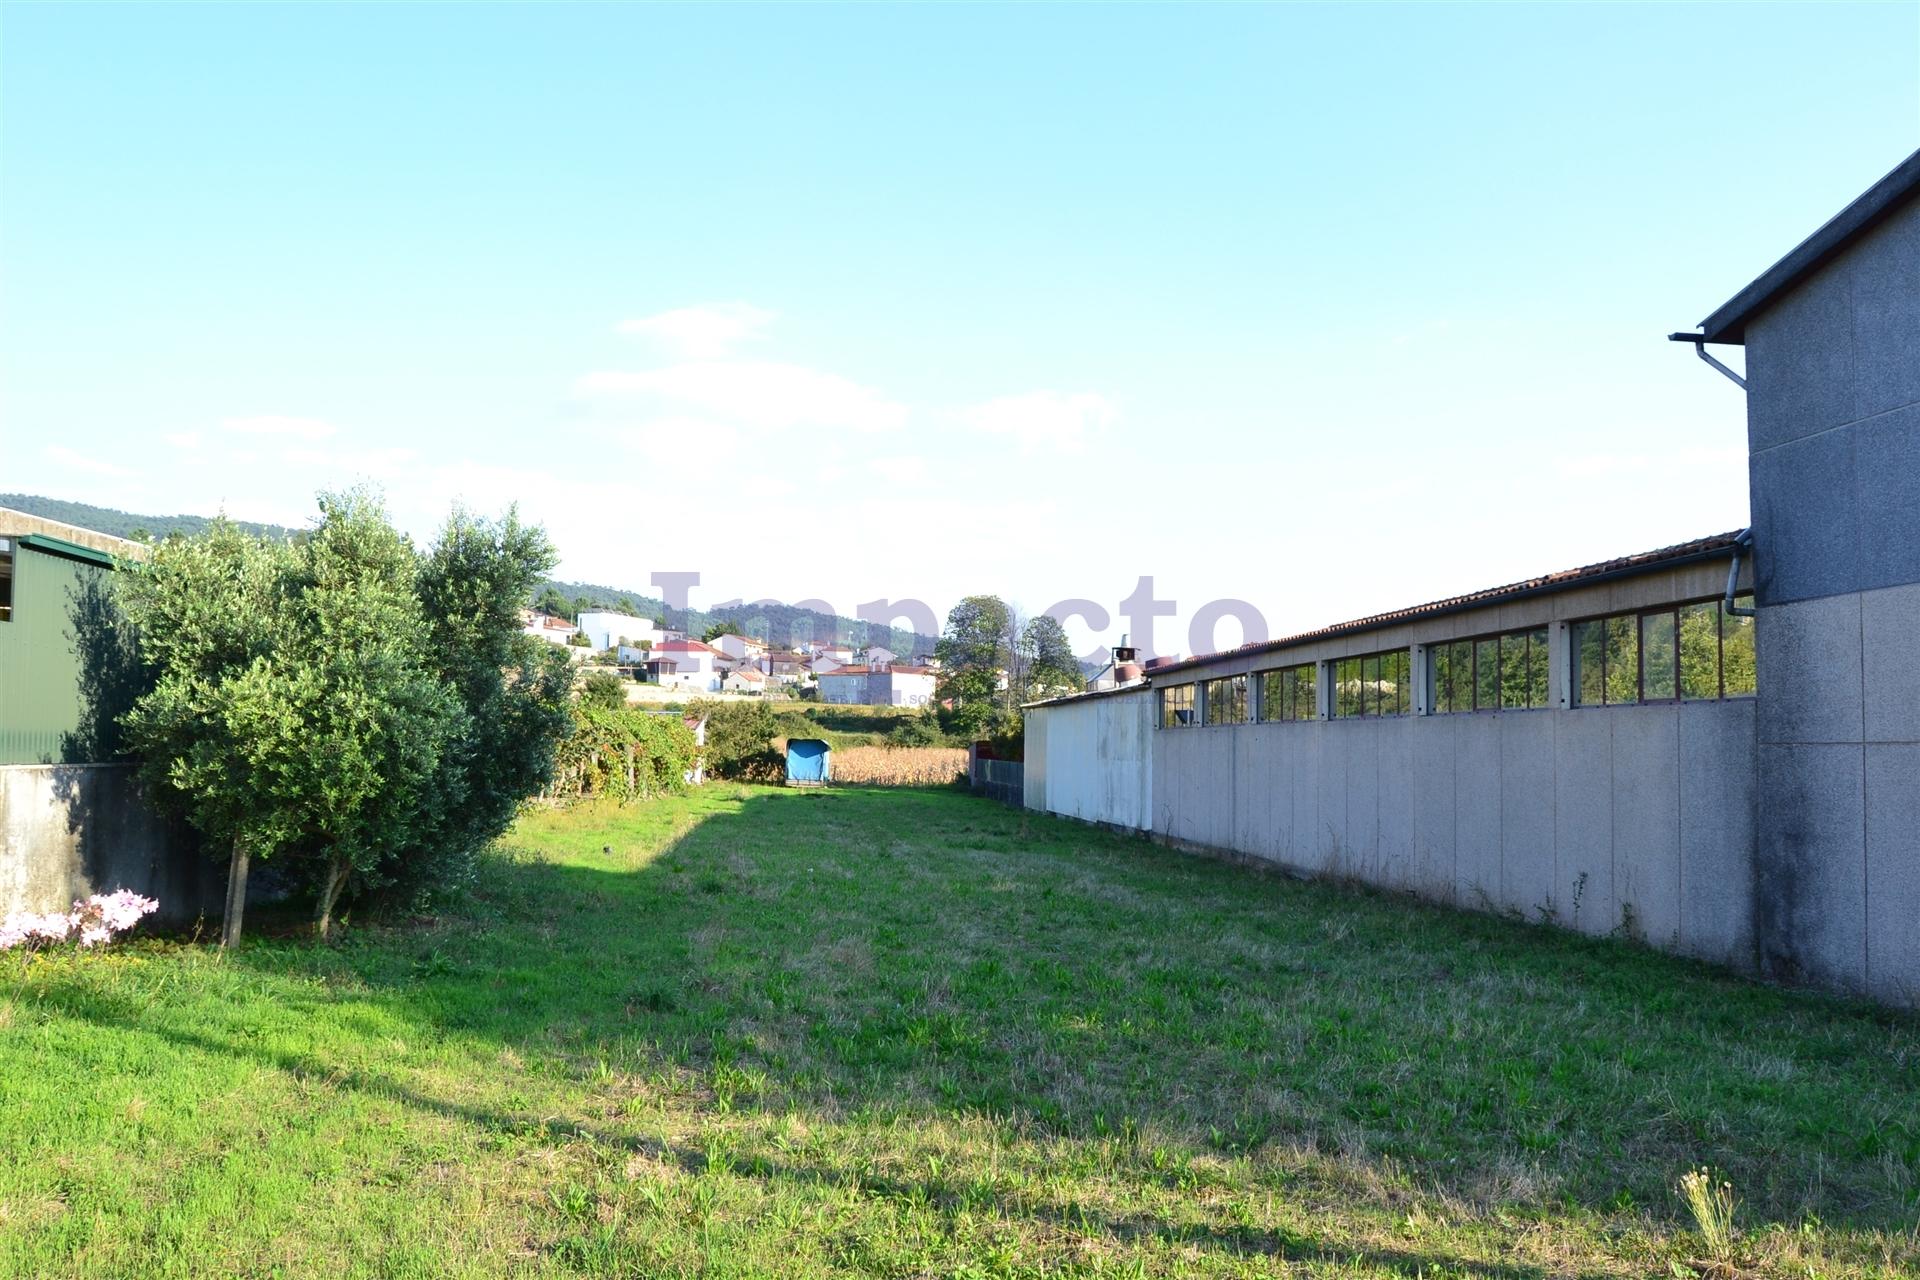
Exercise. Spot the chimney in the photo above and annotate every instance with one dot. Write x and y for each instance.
(1126, 670)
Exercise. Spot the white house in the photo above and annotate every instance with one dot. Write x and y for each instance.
(860, 684)
(745, 680)
(881, 656)
(605, 630)
(544, 626)
(687, 664)
(742, 649)
(829, 657)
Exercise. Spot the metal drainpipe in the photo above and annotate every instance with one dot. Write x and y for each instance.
(1741, 542)
(1699, 342)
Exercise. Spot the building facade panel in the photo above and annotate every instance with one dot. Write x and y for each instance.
(1527, 802)
(1646, 822)
(1717, 763)
(1893, 872)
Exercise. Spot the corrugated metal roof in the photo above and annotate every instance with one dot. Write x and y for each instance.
(1720, 544)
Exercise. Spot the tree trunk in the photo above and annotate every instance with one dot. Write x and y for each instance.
(337, 872)
(236, 895)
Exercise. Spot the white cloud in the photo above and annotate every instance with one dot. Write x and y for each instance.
(705, 332)
(82, 462)
(184, 439)
(275, 424)
(899, 470)
(761, 394)
(374, 463)
(1037, 419)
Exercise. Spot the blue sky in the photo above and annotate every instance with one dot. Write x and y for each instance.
(1327, 309)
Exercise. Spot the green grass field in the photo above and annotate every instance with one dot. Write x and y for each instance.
(910, 1033)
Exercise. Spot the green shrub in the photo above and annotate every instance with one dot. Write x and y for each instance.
(624, 753)
(604, 690)
(739, 738)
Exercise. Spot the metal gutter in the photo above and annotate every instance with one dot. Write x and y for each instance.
(1878, 203)
(1136, 687)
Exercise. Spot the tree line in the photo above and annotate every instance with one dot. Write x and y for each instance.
(993, 660)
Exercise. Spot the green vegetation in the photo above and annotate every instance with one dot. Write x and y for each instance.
(369, 715)
(746, 1032)
(740, 739)
(604, 690)
(622, 753)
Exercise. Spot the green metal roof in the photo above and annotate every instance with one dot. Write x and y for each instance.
(53, 546)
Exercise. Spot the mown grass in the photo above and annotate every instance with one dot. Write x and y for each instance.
(899, 1033)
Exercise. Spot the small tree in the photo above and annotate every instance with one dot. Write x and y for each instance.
(1051, 667)
(739, 736)
(515, 690)
(209, 613)
(294, 712)
(974, 652)
(604, 690)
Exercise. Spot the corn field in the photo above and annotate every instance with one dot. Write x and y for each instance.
(900, 766)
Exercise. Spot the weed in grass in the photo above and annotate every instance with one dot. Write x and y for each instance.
(1712, 1204)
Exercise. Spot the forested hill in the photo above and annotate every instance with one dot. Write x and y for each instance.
(782, 624)
(123, 524)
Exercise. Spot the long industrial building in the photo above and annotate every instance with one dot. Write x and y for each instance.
(1713, 747)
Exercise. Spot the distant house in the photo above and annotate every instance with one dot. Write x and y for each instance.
(784, 667)
(604, 630)
(881, 656)
(829, 657)
(740, 648)
(687, 664)
(544, 626)
(744, 680)
(866, 685)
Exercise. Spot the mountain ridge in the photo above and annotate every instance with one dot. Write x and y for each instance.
(781, 624)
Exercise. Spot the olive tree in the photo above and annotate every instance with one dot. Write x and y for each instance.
(294, 713)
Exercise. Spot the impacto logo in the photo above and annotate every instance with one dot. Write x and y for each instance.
(1139, 610)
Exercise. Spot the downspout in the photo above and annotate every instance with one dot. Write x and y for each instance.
(1741, 542)
(1699, 341)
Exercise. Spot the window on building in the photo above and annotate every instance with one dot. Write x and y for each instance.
(1374, 685)
(1288, 694)
(6, 579)
(1493, 673)
(1687, 653)
(1226, 700)
(1176, 707)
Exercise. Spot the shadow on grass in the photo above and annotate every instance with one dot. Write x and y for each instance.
(1119, 1227)
(928, 955)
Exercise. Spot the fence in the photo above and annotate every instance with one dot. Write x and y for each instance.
(1002, 780)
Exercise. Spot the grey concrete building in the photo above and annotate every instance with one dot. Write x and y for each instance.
(1713, 747)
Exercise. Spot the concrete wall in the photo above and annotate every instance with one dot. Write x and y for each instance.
(1833, 420)
(70, 830)
(1636, 819)
(1632, 818)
